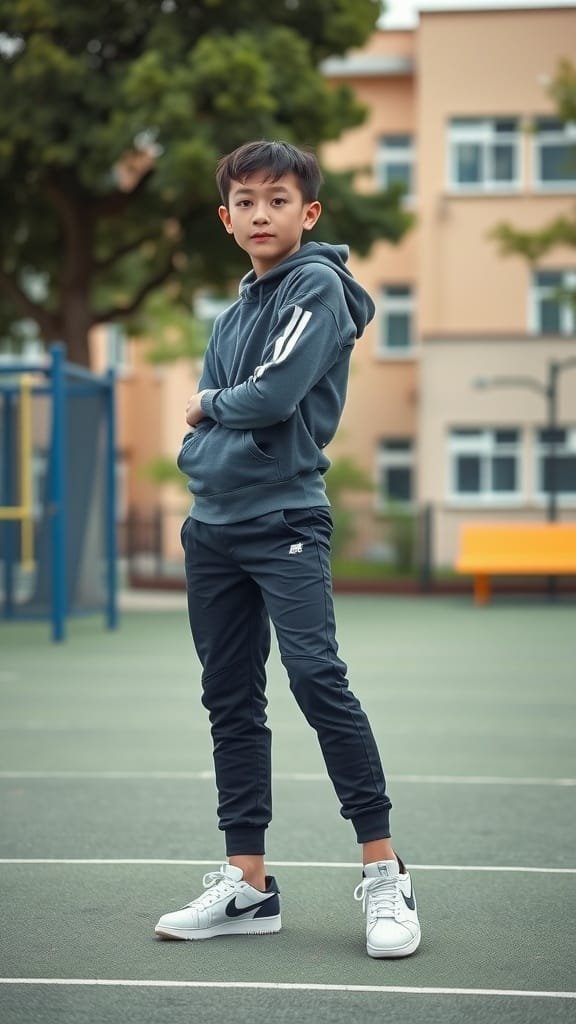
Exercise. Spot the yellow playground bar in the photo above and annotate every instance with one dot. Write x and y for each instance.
(24, 512)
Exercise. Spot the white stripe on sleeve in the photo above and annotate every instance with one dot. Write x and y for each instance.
(287, 340)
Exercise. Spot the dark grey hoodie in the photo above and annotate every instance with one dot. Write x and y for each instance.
(275, 377)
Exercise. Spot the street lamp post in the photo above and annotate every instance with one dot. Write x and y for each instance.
(549, 391)
(552, 426)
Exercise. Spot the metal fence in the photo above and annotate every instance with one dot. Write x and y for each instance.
(368, 545)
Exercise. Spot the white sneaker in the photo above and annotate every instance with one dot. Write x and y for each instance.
(387, 894)
(229, 906)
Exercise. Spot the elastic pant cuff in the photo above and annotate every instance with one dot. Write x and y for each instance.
(372, 825)
(245, 841)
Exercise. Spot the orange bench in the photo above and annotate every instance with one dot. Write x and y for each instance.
(515, 549)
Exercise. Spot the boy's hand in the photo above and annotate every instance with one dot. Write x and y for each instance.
(194, 412)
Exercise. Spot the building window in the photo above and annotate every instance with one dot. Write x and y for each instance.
(396, 335)
(554, 302)
(565, 461)
(22, 349)
(484, 464)
(121, 474)
(395, 163)
(23, 344)
(208, 307)
(396, 470)
(117, 350)
(554, 154)
(484, 154)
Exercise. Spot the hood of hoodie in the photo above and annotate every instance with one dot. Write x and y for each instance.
(360, 305)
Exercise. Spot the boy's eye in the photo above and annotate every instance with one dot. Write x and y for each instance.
(279, 201)
(243, 202)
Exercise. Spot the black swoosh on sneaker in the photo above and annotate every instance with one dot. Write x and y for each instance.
(233, 911)
(409, 900)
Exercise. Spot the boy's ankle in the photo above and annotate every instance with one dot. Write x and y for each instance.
(253, 869)
(378, 849)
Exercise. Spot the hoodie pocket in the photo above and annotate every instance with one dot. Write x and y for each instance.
(219, 460)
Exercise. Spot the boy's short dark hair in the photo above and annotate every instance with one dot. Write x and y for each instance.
(277, 158)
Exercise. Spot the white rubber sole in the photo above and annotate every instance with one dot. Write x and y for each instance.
(390, 954)
(264, 926)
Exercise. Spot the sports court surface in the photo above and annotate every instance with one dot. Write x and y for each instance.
(107, 821)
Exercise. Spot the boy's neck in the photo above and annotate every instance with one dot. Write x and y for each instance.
(266, 270)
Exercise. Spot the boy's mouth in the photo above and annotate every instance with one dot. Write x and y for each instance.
(261, 235)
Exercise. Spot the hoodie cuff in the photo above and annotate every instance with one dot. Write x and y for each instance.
(207, 402)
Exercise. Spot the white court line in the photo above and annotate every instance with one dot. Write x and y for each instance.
(202, 776)
(282, 864)
(292, 987)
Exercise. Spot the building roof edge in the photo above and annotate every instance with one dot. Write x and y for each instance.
(366, 66)
(473, 6)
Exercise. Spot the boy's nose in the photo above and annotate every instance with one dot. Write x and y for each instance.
(260, 215)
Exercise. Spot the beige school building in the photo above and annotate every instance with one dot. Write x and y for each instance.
(458, 111)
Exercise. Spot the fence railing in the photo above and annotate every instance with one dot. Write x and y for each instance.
(368, 544)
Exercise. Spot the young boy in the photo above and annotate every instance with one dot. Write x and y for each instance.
(257, 546)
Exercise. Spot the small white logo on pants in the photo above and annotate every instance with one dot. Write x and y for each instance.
(295, 549)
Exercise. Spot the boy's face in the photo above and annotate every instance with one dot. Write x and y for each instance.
(267, 218)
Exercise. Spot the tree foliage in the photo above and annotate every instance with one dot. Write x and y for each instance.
(343, 477)
(113, 117)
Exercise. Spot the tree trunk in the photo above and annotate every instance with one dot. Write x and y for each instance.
(77, 219)
(76, 320)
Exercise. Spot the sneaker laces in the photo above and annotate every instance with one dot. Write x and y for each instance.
(217, 884)
(380, 895)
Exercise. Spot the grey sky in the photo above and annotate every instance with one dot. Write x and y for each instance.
(402, 13)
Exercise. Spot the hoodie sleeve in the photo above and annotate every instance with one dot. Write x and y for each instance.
(208, 377)
(306, 339)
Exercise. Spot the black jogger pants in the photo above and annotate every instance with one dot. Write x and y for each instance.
(240, 577)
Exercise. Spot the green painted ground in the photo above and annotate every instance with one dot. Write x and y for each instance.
(98, 920)
(450, 690)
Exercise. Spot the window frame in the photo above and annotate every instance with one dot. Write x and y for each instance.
(395, 304)
(481, 131)
(566, 133)
(482, 443)
(568, 446)
(207, 307)
(118, 355)
(539, 291)
(403, 459)
(387, 156)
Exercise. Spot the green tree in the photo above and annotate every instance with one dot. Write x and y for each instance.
(343, 477)
(533, 245)
(113, 116)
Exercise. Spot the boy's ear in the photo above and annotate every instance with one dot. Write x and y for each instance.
(224, 215)
(312, 214)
